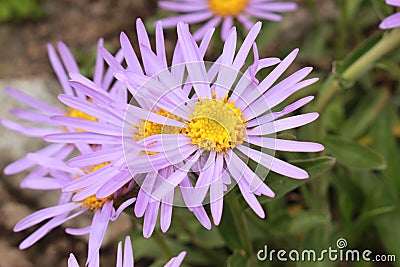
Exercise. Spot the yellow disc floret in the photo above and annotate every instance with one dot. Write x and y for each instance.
(90, 169)
(93, 202)
(80, 115)
(226, 8)
(216, 124)
(148, 128)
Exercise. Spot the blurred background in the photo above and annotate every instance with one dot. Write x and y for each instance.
(354, 196)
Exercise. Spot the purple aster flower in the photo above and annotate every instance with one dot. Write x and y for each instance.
(110, 131)
(393, 21)
(194, 129)
(127, 259)
(102, 209)
(224, 12)
(209, 132)
(40, 112)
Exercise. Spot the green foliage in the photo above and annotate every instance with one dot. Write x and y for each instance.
(353, 154)
(17, 10)
(237, 259)
(315, 167)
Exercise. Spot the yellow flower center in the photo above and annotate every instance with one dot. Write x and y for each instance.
(216, 124)
(80, 115)
(148, 128)
(90, 169)
(93, 202)
(226, 8)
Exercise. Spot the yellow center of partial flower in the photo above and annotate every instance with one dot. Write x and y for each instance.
(226, 8)
(216, 124)
(90, 169)
(148, 128)
(80, 115)
(93, 202)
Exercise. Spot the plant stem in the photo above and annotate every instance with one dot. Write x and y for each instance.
(161, 241)
(389, 42)
(241, 226)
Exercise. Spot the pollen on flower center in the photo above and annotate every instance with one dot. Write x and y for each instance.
(93, 202)
(148, 128)
(80, 115)
(226, 8)
(216, 124)
(90, 169)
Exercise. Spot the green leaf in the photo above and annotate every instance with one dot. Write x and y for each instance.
(354, 155)
(315, 167)
(376, 191)
(352, 7)
(237, 259)
(302, 222)
(382, 8)
(390, 66)
(143, 247)
(390, 236)
(314, 46)
(341, 66)
(365, 113)
(371, 215)
(351, 198)
(228, 230)
(333, 116)
(210, 238)
(385, 141)
(6, 11)
(316, 239)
